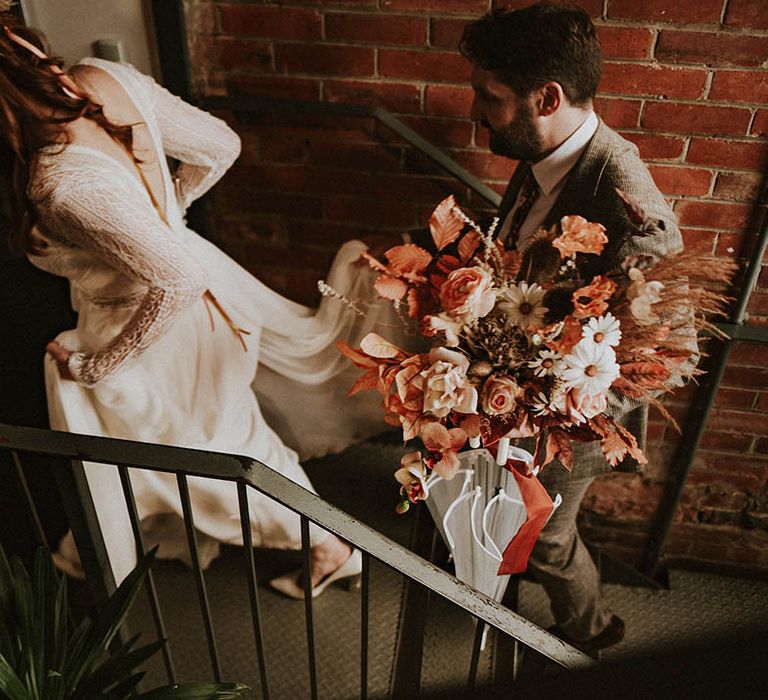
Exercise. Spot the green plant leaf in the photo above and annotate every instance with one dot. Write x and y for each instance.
(44, 590)
(196, 691)
(115, 669)
(8, 642)
(62, 627)
(11, 686)
(25, 626)
(122, 691)
(107, 623)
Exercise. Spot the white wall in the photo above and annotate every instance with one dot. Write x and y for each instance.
(72, 26)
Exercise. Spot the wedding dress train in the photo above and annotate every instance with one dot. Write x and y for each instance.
(155, 361)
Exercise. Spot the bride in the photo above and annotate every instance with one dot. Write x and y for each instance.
(175, 343)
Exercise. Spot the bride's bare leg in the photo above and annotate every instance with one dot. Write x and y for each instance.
(328, 556)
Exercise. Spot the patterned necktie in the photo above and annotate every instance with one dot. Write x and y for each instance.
(529, 192)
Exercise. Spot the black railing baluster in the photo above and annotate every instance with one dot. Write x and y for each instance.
(202, 594)
(154, 603)
(364, 608)
(245, 522)
(476, 648)
(309, 617)
(34, 516)
(183, 462)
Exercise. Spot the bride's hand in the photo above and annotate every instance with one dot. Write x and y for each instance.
(61, 356)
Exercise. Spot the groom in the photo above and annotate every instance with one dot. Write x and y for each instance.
(535, 72)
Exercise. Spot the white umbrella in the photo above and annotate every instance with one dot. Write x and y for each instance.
(478, 513)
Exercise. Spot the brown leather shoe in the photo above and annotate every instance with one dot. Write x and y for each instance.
(611, 635)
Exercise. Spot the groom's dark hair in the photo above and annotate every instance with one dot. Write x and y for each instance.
(534, 45)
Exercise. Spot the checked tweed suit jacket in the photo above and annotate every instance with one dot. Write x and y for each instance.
(608, 163)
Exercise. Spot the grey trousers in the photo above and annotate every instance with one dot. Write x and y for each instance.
(562, 564)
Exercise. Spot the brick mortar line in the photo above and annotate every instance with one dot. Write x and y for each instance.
(656, 64)
(697, 102)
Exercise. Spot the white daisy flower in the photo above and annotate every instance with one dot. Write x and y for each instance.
(547, 362)
(603, 329)
(591, 368)
(541, 405)
(523, 304)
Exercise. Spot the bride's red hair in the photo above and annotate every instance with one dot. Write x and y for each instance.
(31, 93)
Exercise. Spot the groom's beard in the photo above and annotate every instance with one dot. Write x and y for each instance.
(519, 140)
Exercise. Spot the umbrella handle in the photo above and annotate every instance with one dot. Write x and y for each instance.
(460, 499)
(434, 477)
(473, 520)
(498, 497)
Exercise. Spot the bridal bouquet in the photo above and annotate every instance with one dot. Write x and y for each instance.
(535, 343)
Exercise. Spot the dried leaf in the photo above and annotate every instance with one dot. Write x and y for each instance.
(408, 258)
(444, 225)
(414, 307)
(368, 381)
(627, 388)
(614, 448)
(373, 262)
(468, 245)
(559, 447)
(376, 346)
(448, 263)
(358, 358)
(390, 287)
(631, 443)
(645, 375)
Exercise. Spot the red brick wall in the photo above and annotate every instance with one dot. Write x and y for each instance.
(685, 80)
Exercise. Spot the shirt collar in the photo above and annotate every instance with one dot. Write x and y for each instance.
(551, 170)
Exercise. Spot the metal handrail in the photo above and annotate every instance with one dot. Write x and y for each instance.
(247, 104)
(253, 473)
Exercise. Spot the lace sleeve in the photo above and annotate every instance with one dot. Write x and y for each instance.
(204, 144)
(117, 223)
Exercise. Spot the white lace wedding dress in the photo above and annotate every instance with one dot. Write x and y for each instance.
(147, 364)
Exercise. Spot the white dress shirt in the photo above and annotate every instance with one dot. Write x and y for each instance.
(551, 173)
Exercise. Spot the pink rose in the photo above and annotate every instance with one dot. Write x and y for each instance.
(588, 406)
(499, 395)
(468, 292)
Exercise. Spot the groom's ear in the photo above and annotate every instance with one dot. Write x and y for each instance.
(549, 98)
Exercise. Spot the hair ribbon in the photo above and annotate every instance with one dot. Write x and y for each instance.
(67, 84)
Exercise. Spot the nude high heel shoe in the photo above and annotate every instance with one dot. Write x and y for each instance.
(348, 574)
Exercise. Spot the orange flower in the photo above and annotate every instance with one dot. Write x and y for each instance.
(443, 443)
(592, 299)
(580, 236)
(568, 337)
